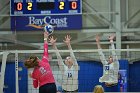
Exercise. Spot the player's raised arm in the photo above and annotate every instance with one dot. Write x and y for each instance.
(52, 40)
(45, 54)
(102, 57)
(115, 58)
(67, 42)
(98, 42)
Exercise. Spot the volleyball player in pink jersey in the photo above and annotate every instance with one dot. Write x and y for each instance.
(42, 74)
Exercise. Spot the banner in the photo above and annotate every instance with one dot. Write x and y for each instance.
(62, 22)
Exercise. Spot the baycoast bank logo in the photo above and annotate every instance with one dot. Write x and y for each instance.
(59, 22)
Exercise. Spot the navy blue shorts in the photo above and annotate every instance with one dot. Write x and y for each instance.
(48, 88)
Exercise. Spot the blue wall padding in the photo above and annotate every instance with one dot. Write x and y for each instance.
(91, 71)
(23, 83)
(89, 74)
(134, 77)
(10, 78)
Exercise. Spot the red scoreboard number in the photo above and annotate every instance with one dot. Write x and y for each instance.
(73, 5)
(19, 6)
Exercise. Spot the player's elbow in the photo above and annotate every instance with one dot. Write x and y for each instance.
(35, 86)
(35, 83)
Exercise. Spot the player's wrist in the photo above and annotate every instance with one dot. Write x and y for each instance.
(53, 44)
(45, 39)
(111, 41)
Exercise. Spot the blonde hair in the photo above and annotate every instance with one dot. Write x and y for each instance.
(98, 89)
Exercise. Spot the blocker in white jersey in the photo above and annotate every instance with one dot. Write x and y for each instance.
(110, 67)
(69, 67)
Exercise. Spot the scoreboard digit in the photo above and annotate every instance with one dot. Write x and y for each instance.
(21, 7)
(61, 5)
(18, 6)
(73, 5)
(29, 6)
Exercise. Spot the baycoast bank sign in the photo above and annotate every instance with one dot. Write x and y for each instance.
(67, 22)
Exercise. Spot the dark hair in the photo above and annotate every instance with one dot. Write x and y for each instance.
(31, 62)
(110, 56)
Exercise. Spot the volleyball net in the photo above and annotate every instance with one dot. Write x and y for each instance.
(14, 76)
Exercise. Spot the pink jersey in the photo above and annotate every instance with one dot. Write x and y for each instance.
(43, 74)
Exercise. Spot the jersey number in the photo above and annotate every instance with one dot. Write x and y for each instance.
(69, 75)
(106, 68)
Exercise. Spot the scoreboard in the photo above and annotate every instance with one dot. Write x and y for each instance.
(50, 7)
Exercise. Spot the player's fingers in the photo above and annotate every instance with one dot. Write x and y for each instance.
(65, 37)
(70, 37)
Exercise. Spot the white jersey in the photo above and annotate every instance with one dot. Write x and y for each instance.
(70, 78)
(110, 71)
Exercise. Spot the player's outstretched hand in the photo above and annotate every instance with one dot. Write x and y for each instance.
(111, 37)
(67, 39)
(52, 40)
